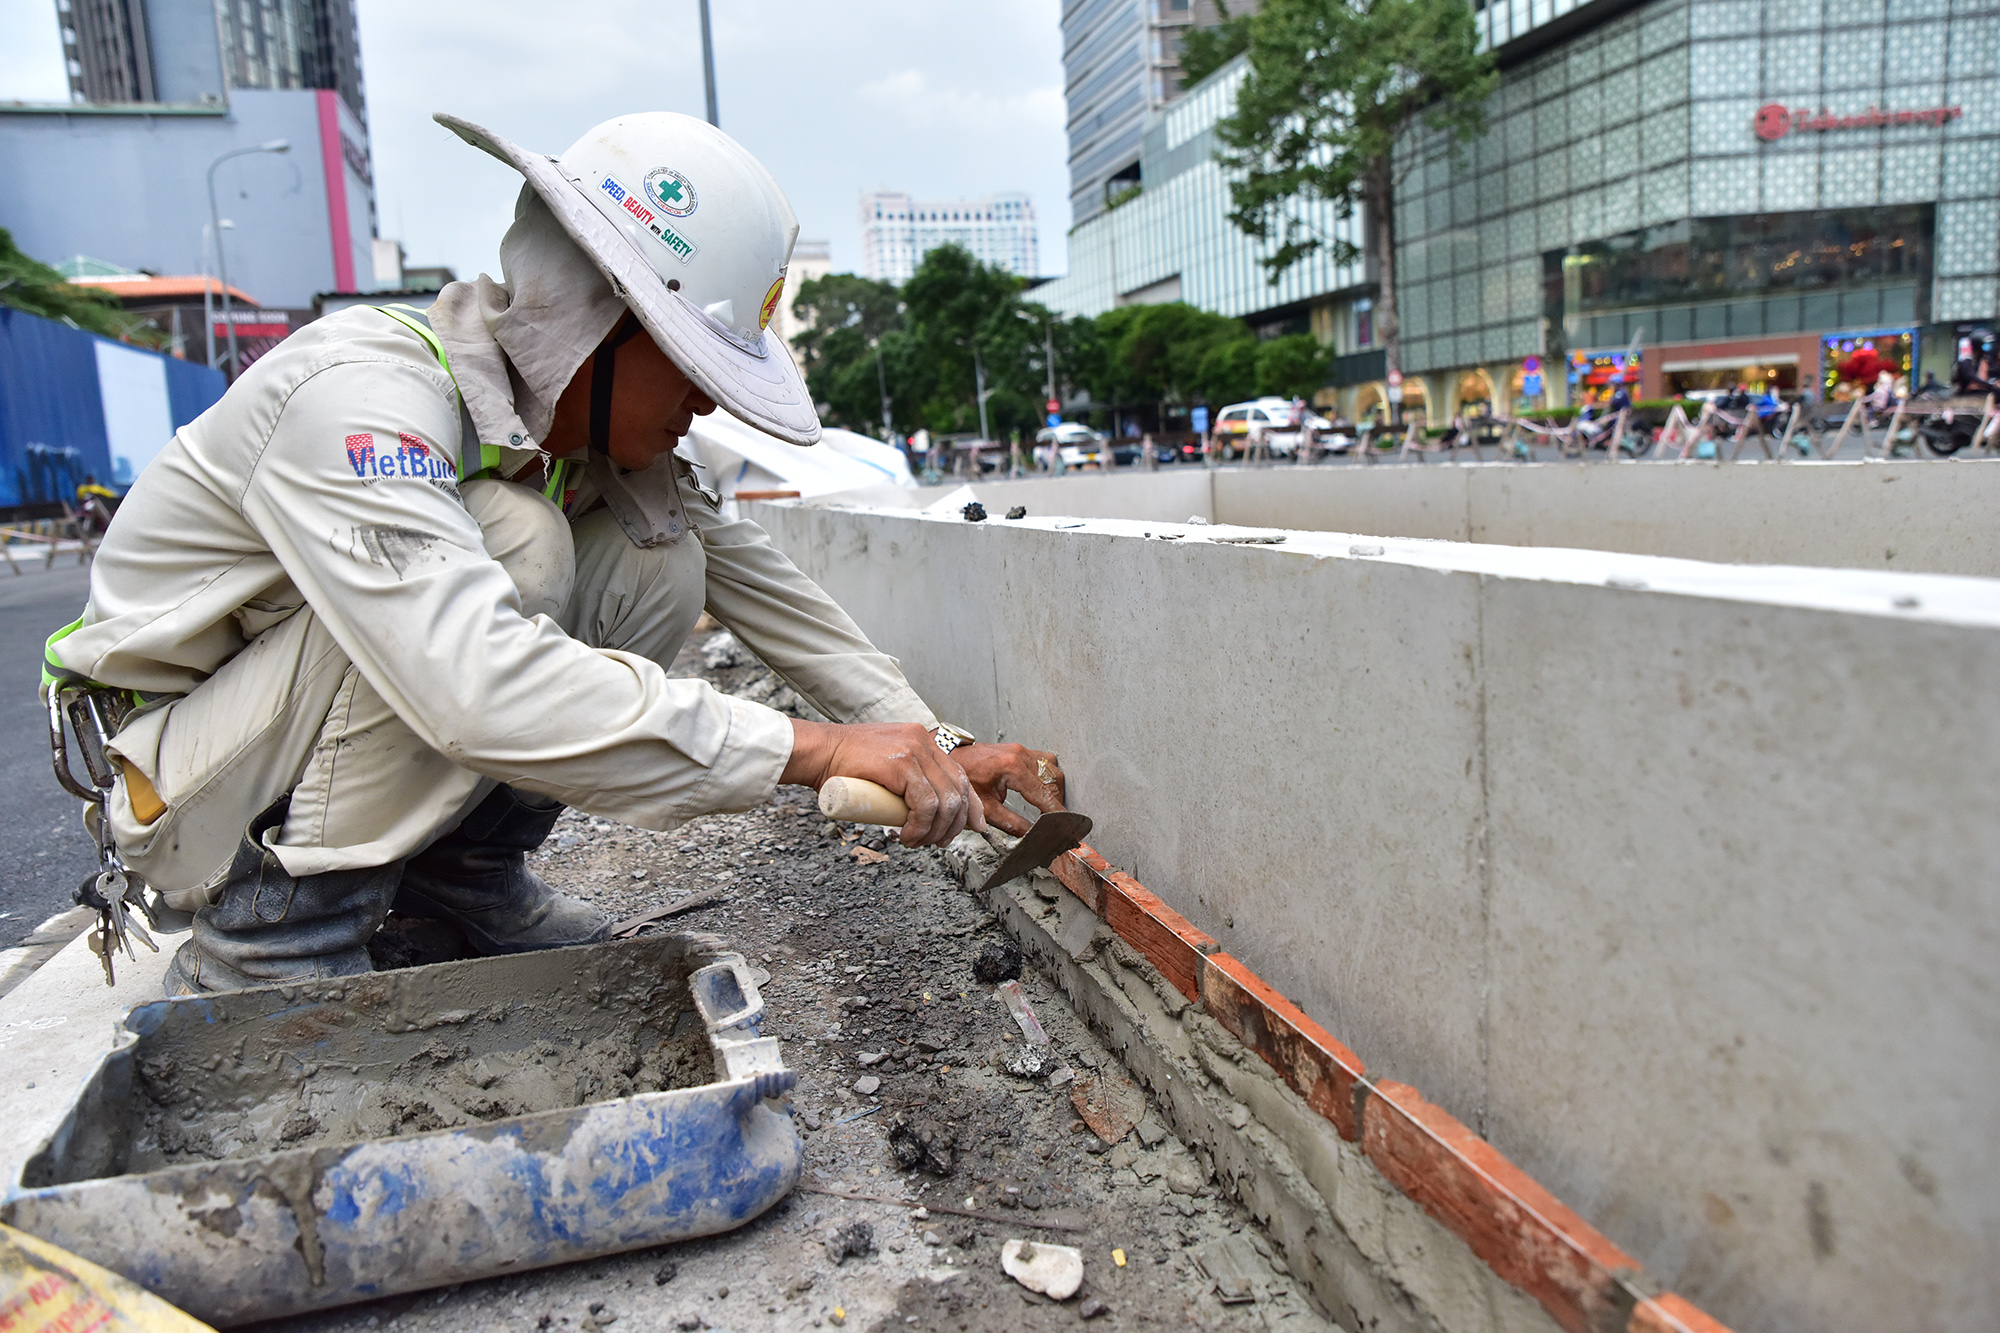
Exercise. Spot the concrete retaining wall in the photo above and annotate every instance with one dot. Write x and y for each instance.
(1936, 517)
(1676, 881)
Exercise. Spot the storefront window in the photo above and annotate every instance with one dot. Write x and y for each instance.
(1708, 258)
(1852, 364)
(1723, 374)
(1594, 375)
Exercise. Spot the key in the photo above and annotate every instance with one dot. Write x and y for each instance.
(99, 945)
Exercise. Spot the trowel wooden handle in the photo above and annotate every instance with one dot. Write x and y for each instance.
(862, 802)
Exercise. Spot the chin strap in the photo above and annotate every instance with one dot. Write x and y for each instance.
(603, 366)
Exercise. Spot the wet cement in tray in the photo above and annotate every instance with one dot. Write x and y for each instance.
(364, 1069)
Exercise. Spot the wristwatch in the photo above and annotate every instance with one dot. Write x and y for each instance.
(949, 738)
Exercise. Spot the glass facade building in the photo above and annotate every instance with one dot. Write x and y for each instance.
(1121, 63)
(1732, 188)
(1703, 191)
(1173, 241)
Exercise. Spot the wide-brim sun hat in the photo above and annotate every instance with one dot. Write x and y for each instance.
(694, 235)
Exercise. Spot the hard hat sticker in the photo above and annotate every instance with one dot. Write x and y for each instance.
(682, 247)
(770, 304)
(672, 192)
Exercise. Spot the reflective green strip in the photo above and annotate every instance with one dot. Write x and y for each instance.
(560, 471)
(54, 672)
(489, 454)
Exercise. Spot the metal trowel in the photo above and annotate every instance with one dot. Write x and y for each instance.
(860, 801)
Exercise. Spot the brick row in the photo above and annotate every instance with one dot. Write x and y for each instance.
(1521, 1231)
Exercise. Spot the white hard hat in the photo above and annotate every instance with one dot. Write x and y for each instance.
(694, 235)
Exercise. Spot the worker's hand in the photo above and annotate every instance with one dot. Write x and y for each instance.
(899, 756)
(998, 769)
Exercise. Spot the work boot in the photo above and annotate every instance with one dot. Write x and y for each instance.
(477, 878)
(266, 926)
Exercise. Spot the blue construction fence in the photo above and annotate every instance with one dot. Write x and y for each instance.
(76, 405)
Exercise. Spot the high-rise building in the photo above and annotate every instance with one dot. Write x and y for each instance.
(897, 231)
(1121, 63)
(1677, 195)
(182, 52)
(163, 90)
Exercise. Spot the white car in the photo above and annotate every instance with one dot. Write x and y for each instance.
(1078, 442)
(1272, 418)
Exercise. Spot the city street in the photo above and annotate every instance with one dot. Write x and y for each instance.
(44, 852)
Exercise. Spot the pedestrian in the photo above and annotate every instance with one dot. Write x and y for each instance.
(411, 587)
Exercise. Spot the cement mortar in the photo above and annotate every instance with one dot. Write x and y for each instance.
(1369, 1255)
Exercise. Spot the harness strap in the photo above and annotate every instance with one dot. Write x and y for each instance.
(419, 323)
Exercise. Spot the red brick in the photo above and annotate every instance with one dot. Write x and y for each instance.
(1169, 940)
(1670, 1314)
(1080, 880)
(1304, 1054)
(1521, 1230)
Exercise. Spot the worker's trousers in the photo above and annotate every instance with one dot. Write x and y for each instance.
(290, 713)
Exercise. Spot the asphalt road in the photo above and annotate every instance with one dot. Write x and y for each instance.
(44, 852)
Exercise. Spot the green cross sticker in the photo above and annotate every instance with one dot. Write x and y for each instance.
(670, 191)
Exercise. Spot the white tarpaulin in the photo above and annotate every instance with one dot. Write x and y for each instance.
(736, 457)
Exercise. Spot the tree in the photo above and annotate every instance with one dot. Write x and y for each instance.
(1332, 86)
(1293, 366)
(30, 285)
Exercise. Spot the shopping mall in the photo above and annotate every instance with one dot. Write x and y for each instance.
(1683, 195)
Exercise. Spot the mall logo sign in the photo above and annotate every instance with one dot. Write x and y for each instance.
(1774, 122)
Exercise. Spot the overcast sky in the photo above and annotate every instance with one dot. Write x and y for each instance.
(942, 98)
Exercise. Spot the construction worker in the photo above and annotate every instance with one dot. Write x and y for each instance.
(407, 591)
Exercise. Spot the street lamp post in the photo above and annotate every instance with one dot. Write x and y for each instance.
(221, 264)
(882, 383)
(979, 385)
(708, 66)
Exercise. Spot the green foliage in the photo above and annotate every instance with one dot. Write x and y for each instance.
(1139, 356)
(926, 334)
(1293, 366)
(30, 285)
(1206, 50)
(1332, 86)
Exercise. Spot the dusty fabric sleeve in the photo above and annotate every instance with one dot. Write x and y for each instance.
(355, 493)
(799, 632)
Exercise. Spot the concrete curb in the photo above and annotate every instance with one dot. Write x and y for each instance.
(1521, 1232)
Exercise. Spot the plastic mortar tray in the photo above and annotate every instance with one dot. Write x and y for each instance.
(288, 1148)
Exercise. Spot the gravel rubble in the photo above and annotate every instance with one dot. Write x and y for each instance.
(866, 953)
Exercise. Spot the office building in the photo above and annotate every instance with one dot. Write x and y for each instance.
(1121, 65)
(1791, 195)
(1171, 240)
(166, 87)
(897, 231)
(1680, 195)
(193, 51)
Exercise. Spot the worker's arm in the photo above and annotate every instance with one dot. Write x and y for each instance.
(794, 628)
(816, 648)
(352, 494)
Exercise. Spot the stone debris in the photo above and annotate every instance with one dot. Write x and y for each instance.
(868, 1058)
(1091, 1308)
(1056, 1271)
(1110, 1104)
(998, 961)
(1018, 511)
(1233, 1266)
(856, 1240)
(867, 1085)
(922, 1144)
(1031, 1062)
